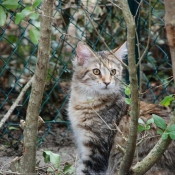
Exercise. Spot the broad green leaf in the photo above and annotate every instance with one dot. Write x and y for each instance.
(36, 3)
(127, 91)
(151, 120)
(171, 128)
(34, 16)
(2, 16)
(19, 17)
(172, 135)
(165, 136)
(49, 156)
(68, 169)
(159, 131)
(10, 4)
(141, 121)
(160, 122)
(26, 11)
(128, 101)
(34, 35)
(140, 128)
(167, 100)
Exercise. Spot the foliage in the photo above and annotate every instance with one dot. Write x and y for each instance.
(163, 130)
(128, 94)
(50, 157)
(28, 12)
(167, 100)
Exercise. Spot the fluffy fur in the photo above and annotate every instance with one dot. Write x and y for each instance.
(96, 106)
(94, 96)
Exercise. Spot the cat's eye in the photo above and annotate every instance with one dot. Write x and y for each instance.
(113, 71)
(96, 71)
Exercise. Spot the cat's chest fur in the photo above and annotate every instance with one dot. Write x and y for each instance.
(100, 110)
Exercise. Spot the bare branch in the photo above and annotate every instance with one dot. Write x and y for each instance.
(20, 96)
(147, 45)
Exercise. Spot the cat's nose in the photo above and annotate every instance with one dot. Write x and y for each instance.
(106, 83)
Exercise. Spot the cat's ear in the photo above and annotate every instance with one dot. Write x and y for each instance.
(83, 52)
(122, 51)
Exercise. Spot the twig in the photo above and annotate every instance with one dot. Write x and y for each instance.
(158, 86)
(120, 148)
(145, 137)
(101, 117)
(7, 115)
(114, 4)
(118, 129)
(147, 45)
(123, 64)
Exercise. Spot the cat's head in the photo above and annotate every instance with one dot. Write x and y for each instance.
(97, 72)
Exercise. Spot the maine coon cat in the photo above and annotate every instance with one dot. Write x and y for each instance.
(96, 106)
(95, 90)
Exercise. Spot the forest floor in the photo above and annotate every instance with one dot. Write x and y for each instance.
(55, 142)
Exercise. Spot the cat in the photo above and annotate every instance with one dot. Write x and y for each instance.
(95, 106)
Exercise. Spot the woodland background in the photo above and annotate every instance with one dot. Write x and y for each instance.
(18, 56)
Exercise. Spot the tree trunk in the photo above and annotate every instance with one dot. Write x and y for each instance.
(132, 68)
(170, 29)
(26, 164)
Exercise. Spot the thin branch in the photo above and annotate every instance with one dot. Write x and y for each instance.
(20, 96)
(153, 156)
(120, 148)
(114, 4)
(158, 86)
(147, 45)
(123, 64)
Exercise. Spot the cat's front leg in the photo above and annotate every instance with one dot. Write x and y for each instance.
(81, 168)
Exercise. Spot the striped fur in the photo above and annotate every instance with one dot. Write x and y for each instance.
(95, 108)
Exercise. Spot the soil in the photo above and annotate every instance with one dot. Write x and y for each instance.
(59, 140)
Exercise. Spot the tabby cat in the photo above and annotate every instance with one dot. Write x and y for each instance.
(95, 107)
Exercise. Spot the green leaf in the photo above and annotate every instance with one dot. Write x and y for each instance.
(46, 157)
(36, 3)
(2, 16)
(49, 156)
(13, 128)
(19, 17)
(151, 120)
(147, 127)
(160, 122)
(140, 128)
(34, 16)
(159, 131)
(141, 121)
(128, 101)
(172, 135)
(127, 91)
(68, 169)
(167, 100)
(25, 12)
(171, 128)
(10, 4)
(34, 35)
(165, 136)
